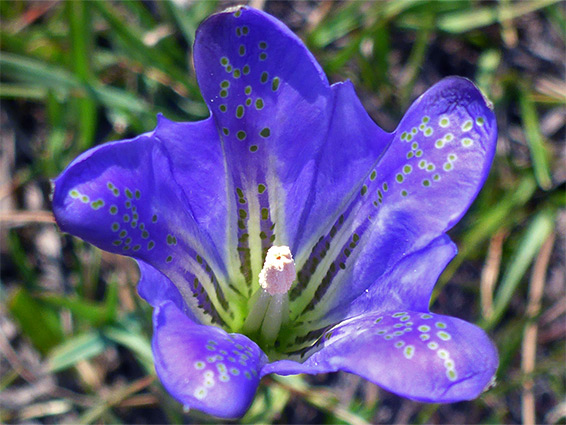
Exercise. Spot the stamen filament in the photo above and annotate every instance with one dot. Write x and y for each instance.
(276, 314)
(257, 308)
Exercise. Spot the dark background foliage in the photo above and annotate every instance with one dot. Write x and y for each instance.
(74, 335)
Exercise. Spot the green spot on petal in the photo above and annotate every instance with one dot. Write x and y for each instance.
(240, 111)
(275, 84)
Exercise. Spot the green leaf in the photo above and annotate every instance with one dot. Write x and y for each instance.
(38, 322)
(93, 312)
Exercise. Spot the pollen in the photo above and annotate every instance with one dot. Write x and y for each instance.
(278, 273)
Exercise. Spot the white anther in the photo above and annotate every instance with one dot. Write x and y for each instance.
(278, 273)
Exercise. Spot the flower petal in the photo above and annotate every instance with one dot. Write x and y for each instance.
(134, 198)
(408, 284)
(203, 366)
(156, 288)
(419, 189)
(421, 356)
(353, 146)
(271, 103)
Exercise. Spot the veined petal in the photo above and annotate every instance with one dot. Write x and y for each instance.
(204, 367)
(290, 177)
(354, 144)
(134, 198)
(197, 165)
(258, 78)
(156, 288)
(419, 189)
(408, 284)
(421, 356)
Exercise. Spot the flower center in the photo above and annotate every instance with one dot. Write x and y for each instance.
(269, 306)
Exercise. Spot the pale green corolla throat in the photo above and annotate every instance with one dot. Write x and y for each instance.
(269, 306)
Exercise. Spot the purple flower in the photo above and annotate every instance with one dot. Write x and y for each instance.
(288, 233)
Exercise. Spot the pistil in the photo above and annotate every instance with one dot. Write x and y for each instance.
(269, 306)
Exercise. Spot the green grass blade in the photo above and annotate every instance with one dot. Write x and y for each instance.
(93, 312)
(22, 91)
(74, 350)
(488, 223)
(81, 48)
(533, 238)
(468, 20)
(50, 76)
(133, 39)
(535, 141)
(189, 18)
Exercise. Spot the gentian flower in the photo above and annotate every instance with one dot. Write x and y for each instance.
(288, 233)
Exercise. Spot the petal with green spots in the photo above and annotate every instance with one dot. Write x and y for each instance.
(119, 196)
(419, 355)
(204, 367)
(411, 201)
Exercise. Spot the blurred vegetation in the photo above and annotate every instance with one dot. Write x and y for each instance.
(74, 335)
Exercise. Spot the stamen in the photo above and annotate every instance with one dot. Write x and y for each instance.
(278, 273)
(269, 306)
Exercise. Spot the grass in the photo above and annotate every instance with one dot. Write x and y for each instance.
(74, 335)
